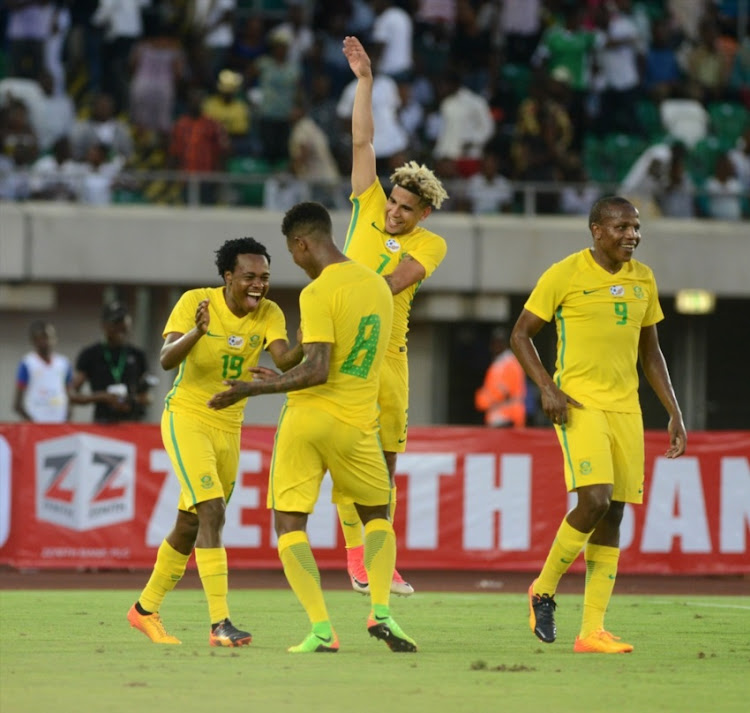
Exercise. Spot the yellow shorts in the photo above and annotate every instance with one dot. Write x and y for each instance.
(310, 441)
(393, 400)
(204, 458)
(604, 447)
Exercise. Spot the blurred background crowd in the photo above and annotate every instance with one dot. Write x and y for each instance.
(519, 105)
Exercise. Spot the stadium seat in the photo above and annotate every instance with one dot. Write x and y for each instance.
(619, 151)
(728, 120)
(517, 79)
(250, 193)
(647, 112)
(702, 157)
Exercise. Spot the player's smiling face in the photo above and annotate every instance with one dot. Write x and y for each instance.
(248, 284)
(403, 211)
(616, 236)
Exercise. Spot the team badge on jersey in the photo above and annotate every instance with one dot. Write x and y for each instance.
(393, 245)
(638, 292)
(617, 290)
(235, 341)
(254, 340)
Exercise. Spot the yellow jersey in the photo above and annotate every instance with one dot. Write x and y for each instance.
(369, 244)
(350, 307)
(231, 346)
(599, 317)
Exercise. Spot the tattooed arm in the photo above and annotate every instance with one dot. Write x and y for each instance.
(313, 370)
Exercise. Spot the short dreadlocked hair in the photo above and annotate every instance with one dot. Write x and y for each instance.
(421, 181)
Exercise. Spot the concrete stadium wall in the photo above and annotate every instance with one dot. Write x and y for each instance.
(57, 261)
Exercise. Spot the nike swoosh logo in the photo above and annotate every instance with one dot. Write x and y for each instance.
(381, 618)
(613, 576)
(401, 440)
(325, 639)
(562, 559)
(350, 524)
(209, 333)
(588, 292)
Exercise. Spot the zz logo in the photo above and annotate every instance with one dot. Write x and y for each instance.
(105, 489)
(57, 488)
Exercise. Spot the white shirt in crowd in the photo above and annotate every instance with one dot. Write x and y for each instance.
(390, 136)
(466, 125)
(394, 28)
(724, 199)
(488, 195)
(45, 395)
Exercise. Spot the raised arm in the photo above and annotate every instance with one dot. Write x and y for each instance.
(655, 369)
(284, 356)
(363, 126)
(177, 346)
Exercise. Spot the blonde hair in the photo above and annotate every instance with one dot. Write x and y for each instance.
(421, 181)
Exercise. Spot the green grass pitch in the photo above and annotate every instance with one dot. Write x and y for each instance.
(73, 651)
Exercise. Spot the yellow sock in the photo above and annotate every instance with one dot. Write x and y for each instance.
(351, 525)
(380, 559)
(168, 570)
(567, 546)
(214, 574)
(302, 574)
(601, 572)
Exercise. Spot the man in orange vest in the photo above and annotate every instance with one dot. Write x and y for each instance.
(502, 396)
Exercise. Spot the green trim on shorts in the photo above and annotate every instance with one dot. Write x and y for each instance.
(566, 450)
(273, 456)
(180, 463)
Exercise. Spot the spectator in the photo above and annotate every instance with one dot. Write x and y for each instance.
(231, 110)
(394, 31)
(58, 113)
(502, 396)
(279, 84)
(577, 199)
(521, 26)
(662, 73)
(122, 25)
(18, 151)
(620, 56)
(705, 66)
(211, 27)
(569, 47)
(102, 127)
(158, 64)
(471, 48)
(740, 158)
(52, 114)
(98, 176)
(198, 144)
(724, 192)
(466, 124)
(249, 44)
(298, 27)
(58, 18)
(116, 372)
(42, 379)
(739, 77)
(312, 160)
(55, 177)
(488, 191)
(26, 32)
(676, 194)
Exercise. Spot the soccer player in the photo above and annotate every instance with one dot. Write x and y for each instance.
(606, 307)
(213, 333)
(384, 234)
(330, 422)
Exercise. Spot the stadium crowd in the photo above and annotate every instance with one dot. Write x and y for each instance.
(107, 101)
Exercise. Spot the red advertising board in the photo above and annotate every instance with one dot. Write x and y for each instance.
(468, 498)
